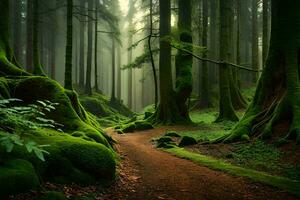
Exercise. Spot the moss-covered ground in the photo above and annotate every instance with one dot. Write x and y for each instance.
(258, 160)
(81, 152)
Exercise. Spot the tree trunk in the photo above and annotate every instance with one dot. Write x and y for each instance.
(266, 22)
(7, 59)
(69, 46)
(204, 91)
(96, 48)
(119, 64)
(37, 67)
(17, 29)
(254, 40)
(29, 33)
(184, 61)
(81, 45)
(277, 98)
(88, 81)
(226, 111)
(167, 111)
(113, 65)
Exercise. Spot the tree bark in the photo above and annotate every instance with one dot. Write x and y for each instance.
(88, 83)
(29, 33)
(7, 59)
(226, 111)
(69, 46)
(255, 62)
(184, 61)
(266, 29)
(277, 98)
(37, 66)
(81, 45)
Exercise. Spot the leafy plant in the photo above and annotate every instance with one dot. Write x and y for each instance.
(16, 120)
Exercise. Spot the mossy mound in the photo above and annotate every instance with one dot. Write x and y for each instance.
(134, 126)
(120, 107)
(165, 142)
(186, 141)
(17, 176)
(107, 114)
(81, 154)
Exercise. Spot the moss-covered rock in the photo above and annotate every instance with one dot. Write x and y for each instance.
(165, 142)
(143, 125)
(172, 134)
(17, 176)
(134, 126)
(186, 141)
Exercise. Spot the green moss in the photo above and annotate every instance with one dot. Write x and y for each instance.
(52, 196)
(17, 176)
(93, 158)
(135, 126)
(186, 141)
(143, 125)
(4, 93)
(172, 134)
(276, 181)
(165, 142)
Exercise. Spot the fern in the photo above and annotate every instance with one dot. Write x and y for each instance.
(16, 120)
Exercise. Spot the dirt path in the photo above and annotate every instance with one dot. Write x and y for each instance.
(147, 173)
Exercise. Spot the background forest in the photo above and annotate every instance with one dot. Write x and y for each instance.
(112, 99)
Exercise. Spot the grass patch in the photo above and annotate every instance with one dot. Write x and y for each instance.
(289, 185)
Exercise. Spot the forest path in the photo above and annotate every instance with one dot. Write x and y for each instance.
(148, 174)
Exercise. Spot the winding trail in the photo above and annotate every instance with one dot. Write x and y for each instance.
(148, 174)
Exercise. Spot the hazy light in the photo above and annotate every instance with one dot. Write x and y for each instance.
(124, 6)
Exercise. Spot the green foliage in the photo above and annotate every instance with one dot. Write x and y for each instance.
(16, 121)
(140, 60)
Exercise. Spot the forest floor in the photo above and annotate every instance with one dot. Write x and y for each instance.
(148, 173)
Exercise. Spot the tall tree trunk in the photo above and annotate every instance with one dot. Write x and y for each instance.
(69, 46)
(254, 40)
(29, 33)
(7, 59)
(37, 66)
(184, 61)
(167, 111)
(17, 29)
(204, 91)
(266, 22)
(88, 80)
(277, 98)
(119, 63)
(129, 61)
(81, 45)
(226, 111)
(238, 101)
(113, 65)
(96, 47)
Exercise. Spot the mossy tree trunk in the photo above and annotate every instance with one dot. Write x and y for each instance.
(88, 79)
(277, 98)
(7, 58)
(69, 46)
(167, 111)
(129, 55)
(184, 62)
(81, 44)
(226, 111)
